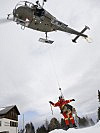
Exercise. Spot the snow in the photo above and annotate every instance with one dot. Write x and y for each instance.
(2, 108)
(92, 129)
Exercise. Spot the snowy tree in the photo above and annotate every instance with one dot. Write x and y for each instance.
(99, 95)
(85, 122)
(41, 129)
(99, 113)
(47, 125)
(30, 128)
(54, 124)
(99, 107)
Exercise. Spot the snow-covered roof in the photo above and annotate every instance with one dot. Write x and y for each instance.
(2, 108)
(5, 110)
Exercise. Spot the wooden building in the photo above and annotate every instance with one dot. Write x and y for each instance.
(9, 119)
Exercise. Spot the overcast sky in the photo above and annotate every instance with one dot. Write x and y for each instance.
(29, 70)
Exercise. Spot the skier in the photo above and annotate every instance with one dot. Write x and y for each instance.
(66, 110)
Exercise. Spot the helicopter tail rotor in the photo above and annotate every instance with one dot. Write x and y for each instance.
(81, 34)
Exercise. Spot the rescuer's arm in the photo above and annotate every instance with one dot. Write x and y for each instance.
(68, 101)
(54, 104)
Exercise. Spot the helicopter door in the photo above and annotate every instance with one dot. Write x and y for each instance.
(39, 12)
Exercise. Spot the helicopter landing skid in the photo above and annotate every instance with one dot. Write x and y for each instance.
(45, 40)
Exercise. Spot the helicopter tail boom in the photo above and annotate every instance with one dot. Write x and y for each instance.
(81, 34)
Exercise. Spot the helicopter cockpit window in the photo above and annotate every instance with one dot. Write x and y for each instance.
(24, 3)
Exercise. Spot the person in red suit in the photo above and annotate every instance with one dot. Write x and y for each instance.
(66, 110)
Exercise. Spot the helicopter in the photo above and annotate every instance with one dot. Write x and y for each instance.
(35, 17)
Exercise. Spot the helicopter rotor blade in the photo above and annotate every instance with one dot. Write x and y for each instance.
(5, 20)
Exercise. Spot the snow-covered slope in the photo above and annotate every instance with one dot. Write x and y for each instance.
(92, 129)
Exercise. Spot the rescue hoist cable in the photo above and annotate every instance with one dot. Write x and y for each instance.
(56, 76)
(61, 92)
(54, 69)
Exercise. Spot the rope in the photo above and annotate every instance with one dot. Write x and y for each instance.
(51, 109)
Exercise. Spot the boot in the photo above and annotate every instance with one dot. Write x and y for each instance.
(67, 127)
(74, 125)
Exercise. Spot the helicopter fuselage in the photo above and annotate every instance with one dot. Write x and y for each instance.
(34, 18)
(37, 18)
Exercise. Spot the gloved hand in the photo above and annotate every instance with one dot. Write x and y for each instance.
(73, 99)
(50, 102)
